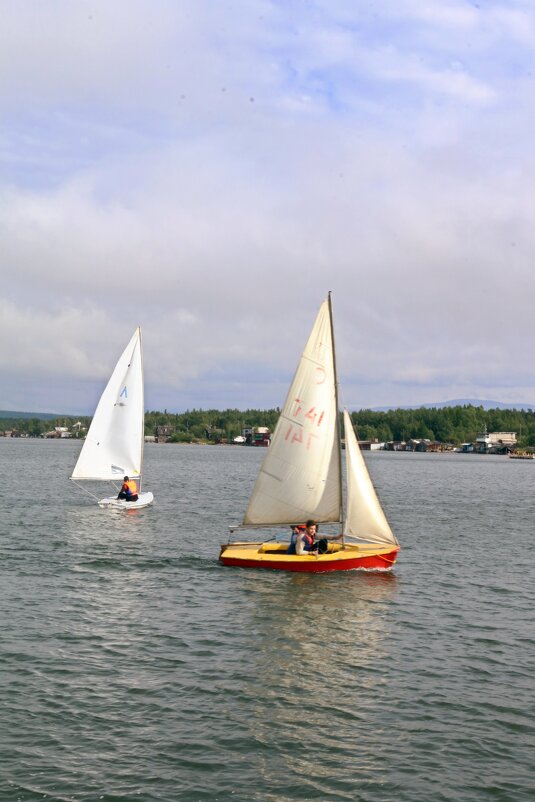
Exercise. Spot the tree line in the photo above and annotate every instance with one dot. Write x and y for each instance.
(446, 425)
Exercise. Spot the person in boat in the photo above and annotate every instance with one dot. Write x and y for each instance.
(316, 544)
(296, 529)
(128, 490)
(304, 543)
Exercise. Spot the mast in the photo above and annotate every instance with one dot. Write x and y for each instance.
(142, 408)
(338, 427)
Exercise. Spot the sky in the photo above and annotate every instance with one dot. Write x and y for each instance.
(210, 171)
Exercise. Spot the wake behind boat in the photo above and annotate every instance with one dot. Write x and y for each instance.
(301, 476)
(113, 448)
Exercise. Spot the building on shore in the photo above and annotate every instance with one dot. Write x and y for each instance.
(495, 442)
(256, 435)
(368, 445)
(61, 432)
(163, 433)
(485, 443)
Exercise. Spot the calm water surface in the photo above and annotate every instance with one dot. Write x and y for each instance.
(135, 667)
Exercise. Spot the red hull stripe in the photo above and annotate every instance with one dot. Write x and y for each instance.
(312, 567)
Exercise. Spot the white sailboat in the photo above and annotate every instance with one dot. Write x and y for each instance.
(113, 448)
(301, 476)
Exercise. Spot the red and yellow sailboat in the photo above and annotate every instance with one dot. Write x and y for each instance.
(301, 476)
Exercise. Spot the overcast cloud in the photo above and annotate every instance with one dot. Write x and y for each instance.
(211, 170)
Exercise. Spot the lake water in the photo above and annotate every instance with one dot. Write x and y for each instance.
(135, 667)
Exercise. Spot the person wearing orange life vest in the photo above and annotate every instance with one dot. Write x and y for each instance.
(128, 490)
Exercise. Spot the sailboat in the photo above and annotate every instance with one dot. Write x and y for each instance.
(113, 447)
(301, 476)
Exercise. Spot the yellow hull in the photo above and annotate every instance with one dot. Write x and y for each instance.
(338, 558)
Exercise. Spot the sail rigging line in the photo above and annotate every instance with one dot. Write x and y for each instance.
(336, 402)
(382, 557)
(89, 493)
(235, 527)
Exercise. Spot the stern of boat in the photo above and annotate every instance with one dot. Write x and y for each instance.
(144, 499)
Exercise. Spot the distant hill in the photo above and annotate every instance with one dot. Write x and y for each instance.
(455, 402)
(4, 413)
(461, 402)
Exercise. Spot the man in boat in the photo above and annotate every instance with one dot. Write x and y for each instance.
(128, 490)
(296, 531)
(312, 544)
(304, 543)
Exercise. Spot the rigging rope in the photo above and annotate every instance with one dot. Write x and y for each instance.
(89, 493)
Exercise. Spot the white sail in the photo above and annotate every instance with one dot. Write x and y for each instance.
(300, 475)
(113, 447)
(365, 518)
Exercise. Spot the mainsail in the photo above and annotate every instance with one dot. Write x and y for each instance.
(114, 443)
(365, 518)
(300, 475)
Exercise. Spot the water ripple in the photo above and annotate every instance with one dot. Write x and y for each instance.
(134, 666)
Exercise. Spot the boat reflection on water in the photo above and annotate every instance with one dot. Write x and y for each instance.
(343, 618)
(323, 653)
(354, 587)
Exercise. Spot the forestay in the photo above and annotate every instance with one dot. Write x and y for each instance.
(113, 447)
(300, 475)
(365, 518)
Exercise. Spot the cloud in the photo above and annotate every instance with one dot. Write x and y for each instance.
(211, 174)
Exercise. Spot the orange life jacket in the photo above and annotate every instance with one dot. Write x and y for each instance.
(131, 485)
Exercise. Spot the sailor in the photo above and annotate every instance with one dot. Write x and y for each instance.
(304, 543)
(296, 530)
(312, 543)
(128, 490)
